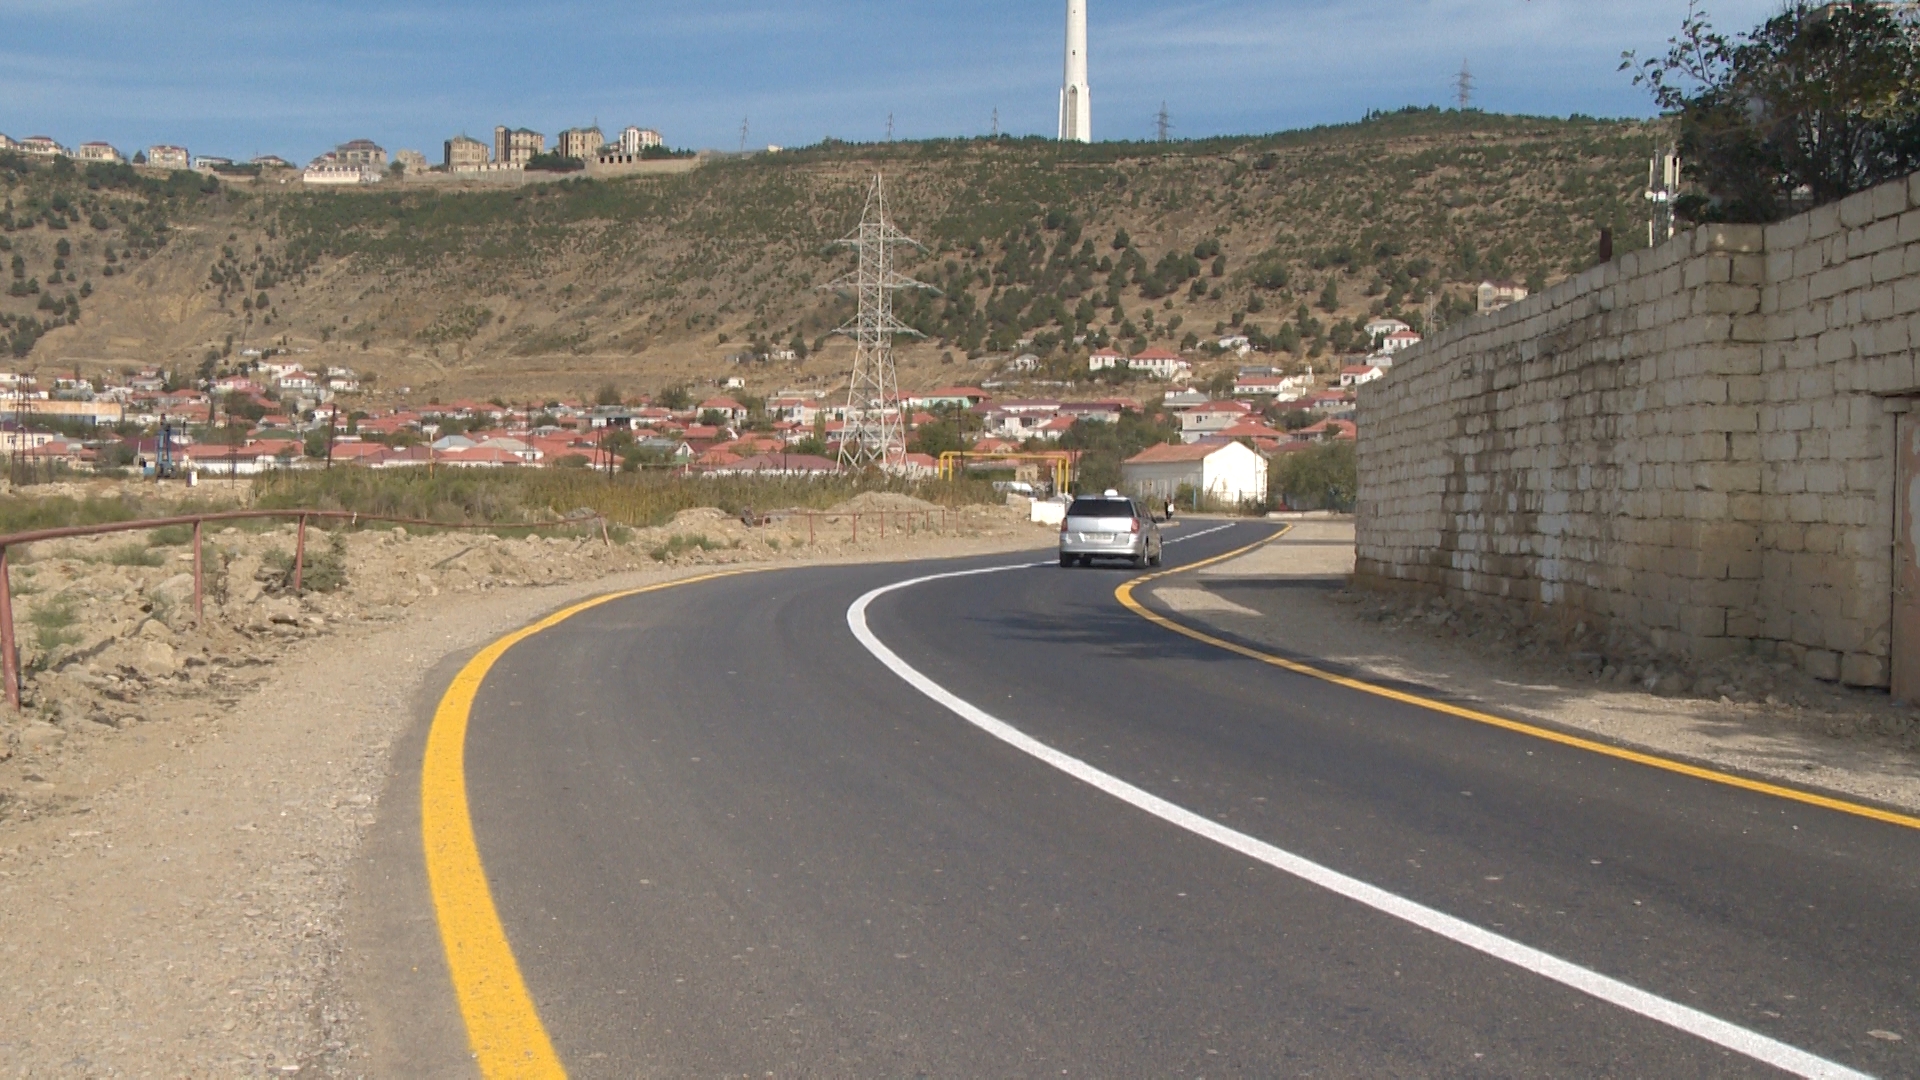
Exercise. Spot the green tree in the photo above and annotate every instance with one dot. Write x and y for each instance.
(1322, 477)
(1821, 99)
(1330, 296)
(608, 394)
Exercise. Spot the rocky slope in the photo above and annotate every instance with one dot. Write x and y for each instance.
(554, 289)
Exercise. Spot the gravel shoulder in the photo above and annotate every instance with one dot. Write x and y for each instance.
(1761, 720)
(179, 830)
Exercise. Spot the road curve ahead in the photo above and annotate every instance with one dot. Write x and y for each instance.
(724, 837)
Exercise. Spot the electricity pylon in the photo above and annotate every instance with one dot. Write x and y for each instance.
(875, 431)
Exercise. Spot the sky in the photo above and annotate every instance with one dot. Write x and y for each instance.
(238, 78)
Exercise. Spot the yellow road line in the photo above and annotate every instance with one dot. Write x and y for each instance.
(503, 1026)
(1125, 595)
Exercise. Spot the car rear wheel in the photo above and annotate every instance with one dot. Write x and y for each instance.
(1159, 559)
(1066, 561)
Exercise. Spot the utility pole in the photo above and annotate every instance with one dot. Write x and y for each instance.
(1463, 86)
(1163, 122)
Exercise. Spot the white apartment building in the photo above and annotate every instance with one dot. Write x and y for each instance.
(634, 140)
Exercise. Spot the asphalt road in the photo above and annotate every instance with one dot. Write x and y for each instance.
(723, 838)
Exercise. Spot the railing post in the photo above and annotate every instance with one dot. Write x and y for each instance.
(809, 528)
(856, 527)
(299, 554)
(10, 665)
(199, 606)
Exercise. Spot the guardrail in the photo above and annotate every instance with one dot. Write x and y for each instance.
(10, 658)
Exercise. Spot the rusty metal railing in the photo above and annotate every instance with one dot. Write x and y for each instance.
(9, 653)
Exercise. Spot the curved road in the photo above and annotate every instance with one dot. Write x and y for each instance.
(724, 838)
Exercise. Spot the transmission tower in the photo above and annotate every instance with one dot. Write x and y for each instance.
(996, 121)
(1163, 122)
(743, 134)
(1463, 86)
(875, 430)
(889, 127)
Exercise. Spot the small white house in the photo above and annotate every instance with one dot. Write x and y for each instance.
(1225, 471)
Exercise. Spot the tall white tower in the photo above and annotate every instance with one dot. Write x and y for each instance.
(1076, 97)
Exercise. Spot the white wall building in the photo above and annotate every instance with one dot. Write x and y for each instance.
(1227, 472)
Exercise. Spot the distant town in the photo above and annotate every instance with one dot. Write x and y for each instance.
(514, 152)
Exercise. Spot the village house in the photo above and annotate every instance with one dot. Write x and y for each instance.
(1225, 472)
(99, 151)
(947, 397)
(1211, 419)
(1377, 329)
(1494, 295)
(1360, 374)
(1279, 387)
(1399, 339)
(1160, 364)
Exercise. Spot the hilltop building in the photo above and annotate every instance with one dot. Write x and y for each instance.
(169, 157)
(516, 146)
(43, 146)
(464, 154)
(206, 163)
(580, 144)
(636, 140)
(1495, 295)
(412, 160)
(360, 152)
(99, 151)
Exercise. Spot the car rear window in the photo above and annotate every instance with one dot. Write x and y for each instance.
(1101, 508)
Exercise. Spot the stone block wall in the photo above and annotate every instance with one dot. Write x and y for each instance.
(1694, 441)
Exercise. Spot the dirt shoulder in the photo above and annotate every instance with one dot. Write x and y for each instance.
(1751, 717)
(177, 823)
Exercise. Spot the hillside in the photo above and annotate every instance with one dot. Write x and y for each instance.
(558, 288)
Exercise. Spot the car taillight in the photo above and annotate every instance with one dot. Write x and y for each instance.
(1136, 524)
(1063, 524)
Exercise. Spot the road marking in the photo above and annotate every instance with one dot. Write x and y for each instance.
(1692, 1021)
(1826, 802)
(503, 1026)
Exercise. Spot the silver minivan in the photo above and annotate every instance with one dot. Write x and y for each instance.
(1109, 526)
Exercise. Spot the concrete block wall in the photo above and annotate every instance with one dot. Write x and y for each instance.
(1693, 441)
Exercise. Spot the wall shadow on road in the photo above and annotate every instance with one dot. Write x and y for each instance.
(1778, 743)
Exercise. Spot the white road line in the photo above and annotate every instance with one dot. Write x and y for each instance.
(1692, 1021)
